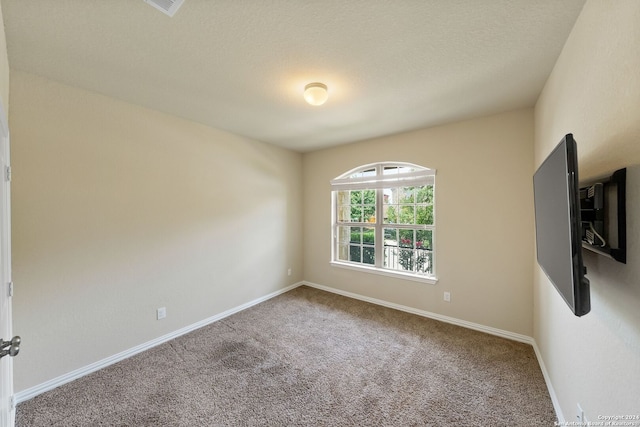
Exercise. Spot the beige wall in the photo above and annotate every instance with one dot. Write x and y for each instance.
(119, 210)
(594, 92)
(484, 204)
(4, 67)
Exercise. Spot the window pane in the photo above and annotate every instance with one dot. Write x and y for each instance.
(424, 239)
(368, 255)
(422, 261)
(406, 215)
(344, 214)
(392, 195)
(369, 197)
(368, 172)
(391, 237)
(343, 235)
(368, 236)
(406, 259)
(390, 257)
(407, 195)
(391, 214)
(369, 214)
(390, 170)
(343, 252)
(424, 215)
(356, 213)
(356, 235)
(343, 198)
(356, 197)
(414, 260)
(405, 169)
(406, 238)
(354, 253)
(369, 201)
(424, 194)
(428, 265)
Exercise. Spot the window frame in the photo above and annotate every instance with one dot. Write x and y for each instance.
(421, 176)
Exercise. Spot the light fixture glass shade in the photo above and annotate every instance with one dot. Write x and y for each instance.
(316, 93)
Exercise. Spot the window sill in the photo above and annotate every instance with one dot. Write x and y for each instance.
(384, 272)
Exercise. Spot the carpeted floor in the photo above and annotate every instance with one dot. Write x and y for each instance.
(309, 357)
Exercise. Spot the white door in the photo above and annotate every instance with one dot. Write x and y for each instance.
(7, 411)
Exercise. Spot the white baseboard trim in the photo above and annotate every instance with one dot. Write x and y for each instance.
(547, 380)
(469, 325)
(32, 392)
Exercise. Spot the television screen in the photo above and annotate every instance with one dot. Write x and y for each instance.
(558, 228)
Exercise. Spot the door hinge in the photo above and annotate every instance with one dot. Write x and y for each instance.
(10, 289)
(12, 402)
(7, 172)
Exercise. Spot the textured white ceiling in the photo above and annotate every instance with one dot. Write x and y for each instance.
(241, 65)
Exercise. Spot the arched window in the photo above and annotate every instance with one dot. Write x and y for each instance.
(384, 220)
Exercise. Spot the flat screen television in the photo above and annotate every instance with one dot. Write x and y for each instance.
(558, 226)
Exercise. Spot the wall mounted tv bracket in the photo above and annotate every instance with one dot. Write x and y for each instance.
(592, 214)
(603, 216)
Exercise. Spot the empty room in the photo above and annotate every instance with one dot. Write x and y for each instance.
(281, 213)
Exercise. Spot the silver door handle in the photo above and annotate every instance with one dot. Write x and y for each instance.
(14, 347)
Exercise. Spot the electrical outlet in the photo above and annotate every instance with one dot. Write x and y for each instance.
(447, 296)
(289, 272)
(162, 312)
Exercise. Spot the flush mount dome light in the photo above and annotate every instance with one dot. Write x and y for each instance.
(316, 93)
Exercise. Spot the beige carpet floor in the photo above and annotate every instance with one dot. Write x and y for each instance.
(309, 357)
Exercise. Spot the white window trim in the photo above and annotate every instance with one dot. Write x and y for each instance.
(431, 280)
(384, 181)
(378, 182)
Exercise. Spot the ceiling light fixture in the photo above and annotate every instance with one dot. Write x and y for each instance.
(316, 93)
